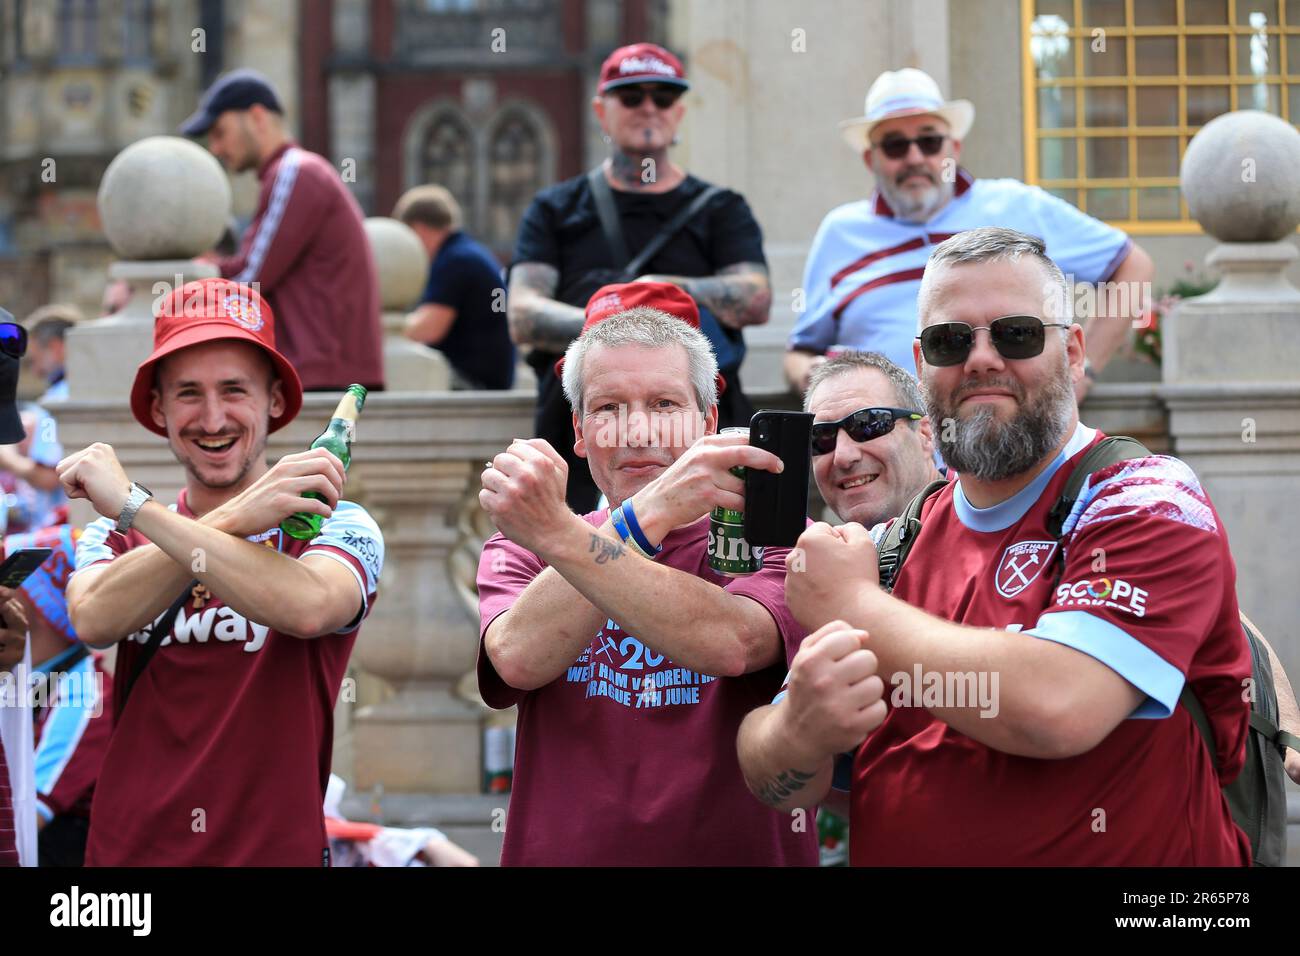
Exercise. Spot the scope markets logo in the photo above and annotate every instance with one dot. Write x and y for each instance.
(1104, 592)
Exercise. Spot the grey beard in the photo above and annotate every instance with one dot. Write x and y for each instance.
(989, 450)
(918, 209)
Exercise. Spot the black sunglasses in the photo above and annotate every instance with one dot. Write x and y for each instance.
(862, 425)
(632, 97)
(896, 147)
(1014, 336)
(13, 339)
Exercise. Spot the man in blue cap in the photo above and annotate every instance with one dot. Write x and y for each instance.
(306, 248)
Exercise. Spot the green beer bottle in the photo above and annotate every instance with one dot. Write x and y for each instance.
(337, 437)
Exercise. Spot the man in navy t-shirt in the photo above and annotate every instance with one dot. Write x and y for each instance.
(462, 312)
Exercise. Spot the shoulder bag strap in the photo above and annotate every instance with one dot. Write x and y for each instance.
(160, 629)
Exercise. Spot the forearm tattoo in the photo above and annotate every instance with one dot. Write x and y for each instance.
(538, 320)
(604, 549)
(783, 785)
(738, 295)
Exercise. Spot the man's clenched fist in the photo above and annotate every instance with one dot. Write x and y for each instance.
(94, 473)
(835, 697)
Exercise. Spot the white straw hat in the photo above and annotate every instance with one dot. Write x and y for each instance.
(906, 92)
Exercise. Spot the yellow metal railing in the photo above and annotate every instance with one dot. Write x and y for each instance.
(1081, 34)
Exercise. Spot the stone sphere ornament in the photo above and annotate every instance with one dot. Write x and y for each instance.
(1241, 177)
(164, 197)
(401, 264)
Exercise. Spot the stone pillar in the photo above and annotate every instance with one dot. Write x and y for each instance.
(403, 267)
(1232, 359)
(418, 457)
(163, 200)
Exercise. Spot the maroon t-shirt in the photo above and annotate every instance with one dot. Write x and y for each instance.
(628, 758)
(222, 753)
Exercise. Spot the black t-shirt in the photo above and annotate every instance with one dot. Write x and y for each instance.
(562, 229)
(464, 276)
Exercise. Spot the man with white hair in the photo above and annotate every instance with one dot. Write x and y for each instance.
(1035, 714)
(864, 268)
(631, 660)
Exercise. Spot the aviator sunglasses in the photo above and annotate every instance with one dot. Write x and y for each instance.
(13, 339)
(896, 147)
(632, 97)
(1014, 336)
(862, 425)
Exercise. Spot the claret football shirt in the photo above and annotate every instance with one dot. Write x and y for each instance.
(1148, 589)
(222, 754)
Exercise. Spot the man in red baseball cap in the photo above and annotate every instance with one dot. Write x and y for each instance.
(221, 750)
(636, 215)
(631, 660)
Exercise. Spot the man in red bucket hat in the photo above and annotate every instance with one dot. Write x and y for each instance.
(221, 750)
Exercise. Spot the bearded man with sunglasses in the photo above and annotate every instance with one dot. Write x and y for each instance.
(865, 264)
(567, 248)
(1083, 756)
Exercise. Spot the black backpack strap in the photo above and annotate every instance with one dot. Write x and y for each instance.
(1193, 705)
(1106, 452)
(603, 198)
(1261, 719)
(901, 535)
(1266, 721)
(670, 229)
(161, 628)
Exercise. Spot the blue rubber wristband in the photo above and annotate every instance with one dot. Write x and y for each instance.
(637, 534)
(619, 520)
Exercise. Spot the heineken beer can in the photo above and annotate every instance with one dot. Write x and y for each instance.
(729, 553)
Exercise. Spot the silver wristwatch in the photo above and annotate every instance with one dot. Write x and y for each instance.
(134, 502)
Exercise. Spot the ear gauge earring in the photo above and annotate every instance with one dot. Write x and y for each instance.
(676, 139)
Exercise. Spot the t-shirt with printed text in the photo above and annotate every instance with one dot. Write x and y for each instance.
(222, 754)
(629, 758)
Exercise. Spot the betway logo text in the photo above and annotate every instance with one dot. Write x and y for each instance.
(213, 623)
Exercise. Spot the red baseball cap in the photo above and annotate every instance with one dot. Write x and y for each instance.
(610, 300)
(205, 311)
(641, 63)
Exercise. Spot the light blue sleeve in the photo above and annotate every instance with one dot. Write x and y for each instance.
(353, 531)
(1084, 247)
(1128, 657)
(92, 546)
(78, 701)
(814, 329)
(46, 449)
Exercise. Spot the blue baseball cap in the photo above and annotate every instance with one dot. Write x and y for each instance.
(236, 90)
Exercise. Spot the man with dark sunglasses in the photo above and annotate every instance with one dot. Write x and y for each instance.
(565, 250)
(864, 268)
(872, 445)
(1082, 754)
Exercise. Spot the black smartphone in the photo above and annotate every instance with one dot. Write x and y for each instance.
(776, 505)
(19, 565)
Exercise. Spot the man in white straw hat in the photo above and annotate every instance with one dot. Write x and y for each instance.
(865, 264)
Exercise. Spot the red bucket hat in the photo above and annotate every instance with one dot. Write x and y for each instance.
(205, 311)
(610, 300)
(641, 63)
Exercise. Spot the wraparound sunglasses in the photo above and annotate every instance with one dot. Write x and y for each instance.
(862, 425)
